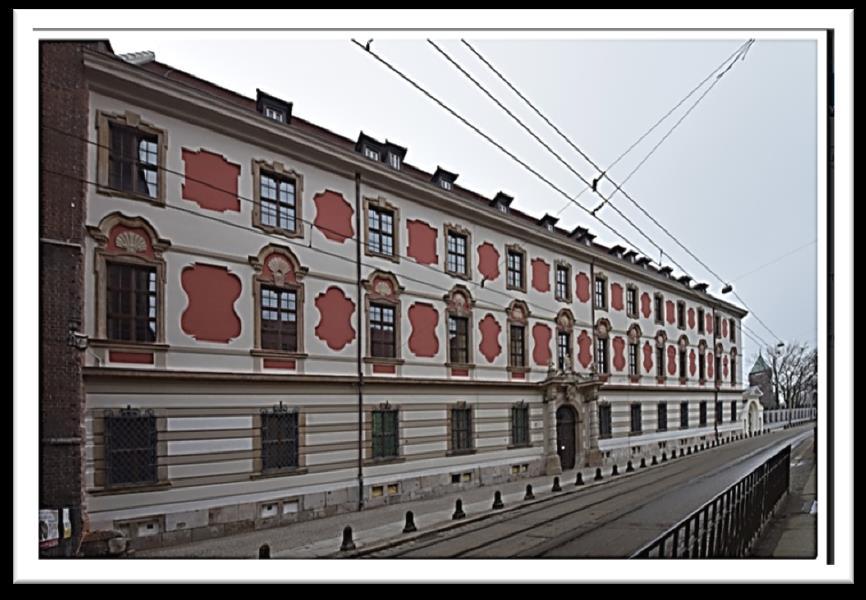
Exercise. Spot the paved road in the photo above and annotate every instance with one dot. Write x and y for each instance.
(608, 521)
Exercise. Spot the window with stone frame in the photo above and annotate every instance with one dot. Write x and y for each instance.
(732, 329)
(517, 320)
(636, 422)
(562, 282)
(701, 320)
(382, 228)
(660, 362)
(681, 314)
(683, 366)
(458, 310)
(279, 435)
(383, 331)
(600, 292)
(278, 194)
(604, 421)
(662, 417)
(659, 308)
(130, 438)
(132, 302)
(684, 415)
(633, 360)
(733, 410)
(631, 306)
(520, 425)
(385, 429)
(383, 317)
(702, 413)
(563, 350)
(279, 301)
(130, 157)
(458, 339)
(515, 268)
(702, 361)
(733, 367)
(279, 319)
(601, 356)
(461, 429)
(719, 415)
(457, 258)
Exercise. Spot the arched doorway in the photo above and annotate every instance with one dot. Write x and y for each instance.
(566, 443)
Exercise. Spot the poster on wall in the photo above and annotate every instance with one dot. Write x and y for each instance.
(67, 524)
(48, 528)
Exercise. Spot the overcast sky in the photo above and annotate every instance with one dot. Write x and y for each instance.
(736, 181)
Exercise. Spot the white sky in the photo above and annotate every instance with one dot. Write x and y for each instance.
(736, 181)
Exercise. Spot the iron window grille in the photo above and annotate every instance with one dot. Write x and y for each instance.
(132, 302)
(385, 437)
(733, 410)
(702, 414)
(458, 339)
(279, 319)
(278, 201)
(604, 421)
(684, 415)
(130, 447)
(133, 160)
(663, 416)
(382, 331)
(520, 425)
(719, 416)
(380, 231)
(635, 418)
(461, 429)
(279, 438)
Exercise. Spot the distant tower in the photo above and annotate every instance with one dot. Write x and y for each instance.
(761, 376)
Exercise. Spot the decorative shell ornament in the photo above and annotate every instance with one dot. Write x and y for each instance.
(383, 288)
(131, 242)
(280, 267)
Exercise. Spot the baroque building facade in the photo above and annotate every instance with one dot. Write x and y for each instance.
(282, 323)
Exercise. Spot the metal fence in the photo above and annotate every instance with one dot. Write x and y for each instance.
(784, 416)
(727, 525)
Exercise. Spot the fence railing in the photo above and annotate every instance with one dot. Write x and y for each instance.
(729, 524)
(789, 415)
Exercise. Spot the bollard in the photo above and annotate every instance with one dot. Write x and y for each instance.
(664, 457)
(614, 470)
(410, 522)
(598, 474)
(654, 461)
(264, 551)
(348, 543)
(579, 480)
(497, 500)
(458, 510)
(643, 463)
(529, 495)
(556, 487)
(629, 467)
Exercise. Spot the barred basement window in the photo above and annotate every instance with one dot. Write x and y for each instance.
(382, 331)
(635, 418)
(663, 416)
(385, 435)
(133, 160)
(719, 416)
(131, 302)
(520, 425)
(130, 447)
(604, 421)
(279, 320)
(684, 415)
(279, 438)
(733, 410)
(702, 415)
(461, 429)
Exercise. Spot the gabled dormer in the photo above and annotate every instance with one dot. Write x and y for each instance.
(666, 271)
(685, 279)
(617, 251)
(393, 155)
(643, 261)
(370, 148)
(630, 256)
(273, 108)
(444, 179)
(548, 222)
(501, 202)
(582, 234)
(701, 287)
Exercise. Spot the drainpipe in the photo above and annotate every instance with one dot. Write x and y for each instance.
(360, 327)
(717, 363)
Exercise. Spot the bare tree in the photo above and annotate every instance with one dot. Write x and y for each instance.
(795, 373)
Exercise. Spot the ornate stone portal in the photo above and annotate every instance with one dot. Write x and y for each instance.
(579, 393)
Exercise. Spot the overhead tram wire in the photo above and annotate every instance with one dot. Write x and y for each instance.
(494, 143)
(740, 53)
(774, 261)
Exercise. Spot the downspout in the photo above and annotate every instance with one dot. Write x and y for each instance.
(717, 362)
(360, 327)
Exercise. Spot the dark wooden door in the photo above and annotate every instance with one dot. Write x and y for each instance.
(565, 442)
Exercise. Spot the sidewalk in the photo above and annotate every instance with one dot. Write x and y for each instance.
(792, 532)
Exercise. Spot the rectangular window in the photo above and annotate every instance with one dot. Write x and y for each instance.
(635, 418)
(131, 302)
(380, 231)
(130, 448)
(458, 339)
(604, 421)
(631, 301)
(632, 359)
(733, 410)
(563, 349)
(663, 416)
(279, 439)
(719, 416)
(733, 329)
(385, 433)
(395, 161)
(684, 415)
(520, 425)
(600, 292)
(279, 319)
(681, 315)
(382, 331)
(601, 356)
(456, 259)
(563, 291)
(702, 365)
(445, 184)
(133, 160)
(717, 331)
(702, 414)
(660, 362)
(700, 320)
(660, 308)
(371, 154)
(276, 115)
(515, 270)
(461, 429)
(718, 373)
(683, 364)
(733, 370)
(516, 354)
(278, 207)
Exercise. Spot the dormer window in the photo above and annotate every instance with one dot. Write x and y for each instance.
(444, 179)
(273, 108)
(501, 201)
(371, 153)
(394, 161)
(445, 184)
(276, 115)
(503, 208)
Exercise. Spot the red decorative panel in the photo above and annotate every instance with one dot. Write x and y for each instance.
(724, 328)
(541, 351)
(669, 311)
(422, 242)
(141, 358)
(424, 318)
(210, 180)
(710, 365)
(672, 360)
(616, 296)
(725, 365)
(709, 322)
(384, 368)
(333, 216)
(647, 357)
(335, 318)
(584, 349)
(691, 318)
(488, 261)
(518, 375)
(581, 287)
(210, 313)
(618, 355)
(133, 240)
(460, 372)
(274, 363)
(540, 275)
(645, 305)
(692, 366)
(490, 329)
